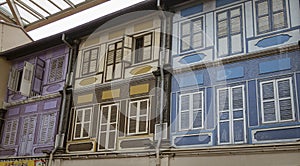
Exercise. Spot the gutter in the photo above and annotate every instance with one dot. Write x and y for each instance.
(59, 137)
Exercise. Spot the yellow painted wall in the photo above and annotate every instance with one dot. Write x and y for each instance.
(4, 68)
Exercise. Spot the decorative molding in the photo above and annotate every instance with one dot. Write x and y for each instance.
(88, 81)
(273, 41)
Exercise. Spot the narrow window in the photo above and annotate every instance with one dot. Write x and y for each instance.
(192, 34)
(47, 128)
(113, 62)
(89, 61)
(27, 135)
(82, 123)
(138, 117)
(277, 100)
(143, 48)
(191, 113)
(56, 69)
(10, 132)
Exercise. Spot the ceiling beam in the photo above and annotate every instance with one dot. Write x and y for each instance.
(64, 13)
(6, 18)
(15, 12)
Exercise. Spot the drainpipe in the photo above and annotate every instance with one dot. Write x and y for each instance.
(161, 67)
(64, 100)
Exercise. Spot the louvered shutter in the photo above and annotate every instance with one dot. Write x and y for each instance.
(110, 62)
(13, 79)
(10, 132)
(27, 79)
(56, 69)
(127, 50)
(93, 60)
(27, 136)
(285, 102)
(47, 128)
(268, 102)
(38, 76)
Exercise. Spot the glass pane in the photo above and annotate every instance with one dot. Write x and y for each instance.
(114, 113)
(79, 116)
(104, 115)
(278, 20)
(234, 13)
(284, 88)
(111, 140)
(197, 26)
(146, 53)
(223, 100)
(222, 28)
(235, 25)
(263, 24)
(185, 102)
(132, 125)
(119, 45)
(143, 108)
(238, 130)
(103, 127)
(197, 119)
(185, 43)
(286, 112)
(224, 116)
(269, 111)
(87, 115)
(185, 29)
(142, 124)
(222, 16)
(111, 47)
(102, 140)
(93, 66)
(197, 101)
(147, 40)
(77, 130)
(86, 56)
(277, 5)
(237, 98)
(224, 132)
(197, 40)
(268, 91)
(94, 54)
(185, 120)
(86, 129)
(133, 109)
(238, 114)
(85, 68)
(262, 8)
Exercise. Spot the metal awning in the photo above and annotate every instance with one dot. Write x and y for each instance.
(32, 14)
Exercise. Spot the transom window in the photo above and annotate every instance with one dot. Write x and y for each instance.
(277, 100)
(89, 61)
(138, 117)
(83, 120)
(191, 111)
(192, 34)
(142, 48)
(271, 15)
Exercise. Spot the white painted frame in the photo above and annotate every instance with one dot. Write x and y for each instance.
(107, 131)
(277, 99)
(230, 111)
(191, 110)
(138, 117)
(83, 122)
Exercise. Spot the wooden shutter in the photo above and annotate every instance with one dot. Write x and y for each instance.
(13, 79)
(27, 79)
(127, 50)
(27, 135)
(285, 99)
(56, 69)
(10, 132)
(268, 102)
(47, 128)
(38, 76)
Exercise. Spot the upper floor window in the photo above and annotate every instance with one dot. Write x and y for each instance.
(138, 116)
(28, 80)
(10, 132)
(83, 119)
(56, 69)
(191, 111)
(89, 61)
(113, 62)
(47, 128)
(143, 45)
(277, 100)
(191, 34)
(270, 15)
(229, 32)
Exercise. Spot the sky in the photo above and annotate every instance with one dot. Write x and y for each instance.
(77, 19)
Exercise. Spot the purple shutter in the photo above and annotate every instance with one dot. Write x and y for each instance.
(38, 76)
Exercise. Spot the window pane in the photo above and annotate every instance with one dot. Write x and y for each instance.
(102, 141)
(110, 57)
(77, 130)
(132, 125)
(224, 115)
(237, 98)
(236, 25)
(286, 112)
(238, 129)
(79, 116)
(185, 29)
(197, 119)
(94, 54)
(222, 16)
(104, 115)
(222, 28)
(147, 40)
(185, 102)
(146, 53)
(262, 8)
(197, 40)
(269, 111)
(114, 113)
(111, 140)
(93, 66)
(234, 13)
(278, 20)
(85, 68)
(224, 132)
(284, 89)
(87, 115)
(142, 124)
(86, 128)
(268, 91)
(143, 107)
(223, 100)
(263, 24)
(133, 109)
(185, 43)
(185, 120)
(197, 101)
(277, 5)
(197, 26)
(119, 45)
(103, 127)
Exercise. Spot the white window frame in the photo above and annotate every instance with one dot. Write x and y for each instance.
(89, 72)
(138, 117)
(152, 35)
(83, 122)
(191, 111)
(230, 111)
(12, 134)
(191, 34)
(276, 100)
(108, 124)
